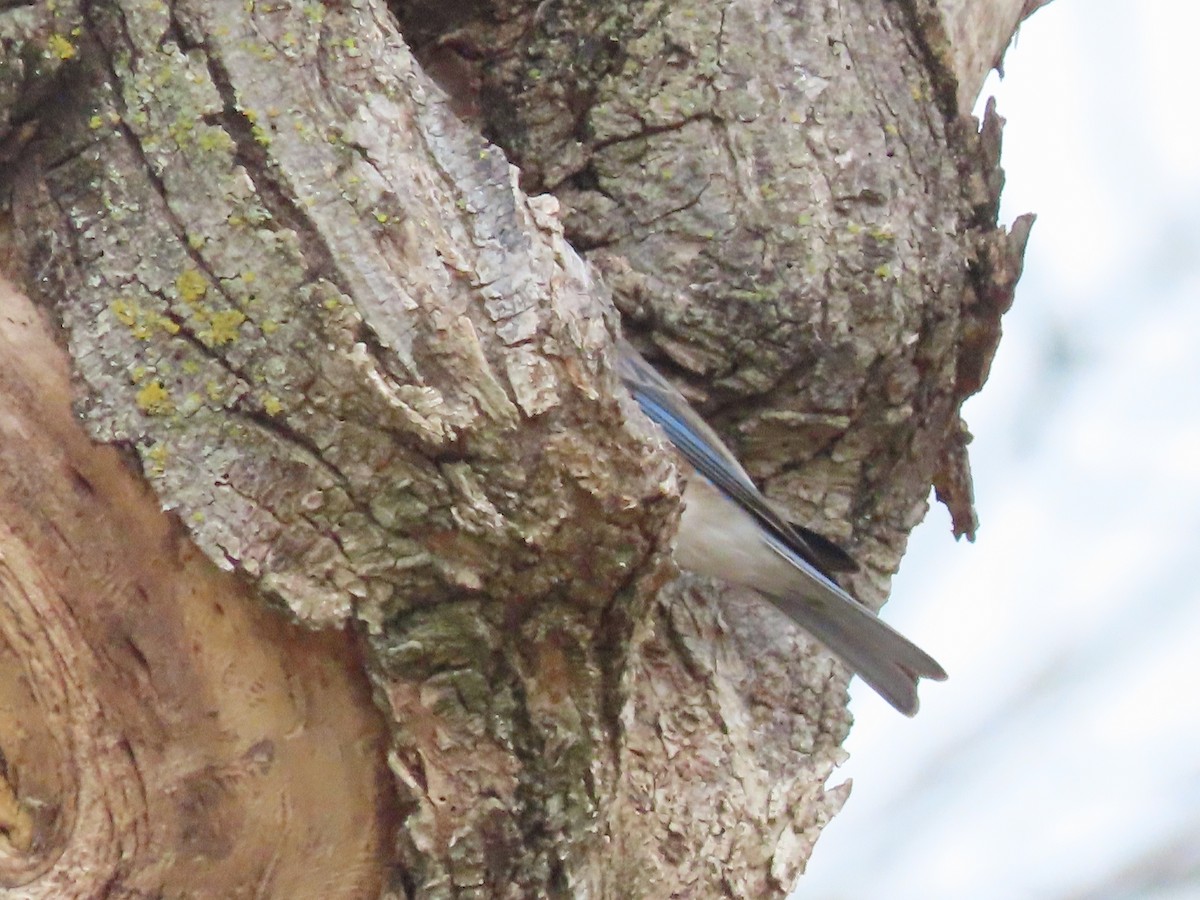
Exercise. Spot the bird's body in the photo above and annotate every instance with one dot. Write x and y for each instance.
(730, 531)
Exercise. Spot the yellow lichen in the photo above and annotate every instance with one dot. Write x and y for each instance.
(60, 46)
(223, 327)
(272, 405)
(125, 311)
(214, 139)
(157, 457)
(141, 323)
(191, 286)
(155, 400)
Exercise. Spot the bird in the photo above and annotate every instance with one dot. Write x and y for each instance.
(729, 531)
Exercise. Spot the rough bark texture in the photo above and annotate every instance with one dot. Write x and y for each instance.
(797, 221)
(316, 313)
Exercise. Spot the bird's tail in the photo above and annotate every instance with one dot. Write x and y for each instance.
(885, 659)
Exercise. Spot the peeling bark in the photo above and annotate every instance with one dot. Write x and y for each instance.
(318, 316)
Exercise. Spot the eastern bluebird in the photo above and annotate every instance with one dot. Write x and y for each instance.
(730, 531)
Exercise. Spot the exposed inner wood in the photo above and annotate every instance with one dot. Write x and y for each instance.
(160, 728)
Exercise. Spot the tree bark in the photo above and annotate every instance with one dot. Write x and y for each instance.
(349, 574)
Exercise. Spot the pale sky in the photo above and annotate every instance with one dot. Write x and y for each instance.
(1062, 759)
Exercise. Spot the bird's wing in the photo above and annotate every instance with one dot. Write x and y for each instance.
(707, 453)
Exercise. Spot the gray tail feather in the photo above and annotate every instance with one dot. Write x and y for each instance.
(885, 659)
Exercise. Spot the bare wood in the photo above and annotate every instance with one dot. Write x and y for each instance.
(973, 35)
(162, 730)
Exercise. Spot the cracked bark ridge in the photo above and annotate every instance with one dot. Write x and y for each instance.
(781, 196)
(732, 731)
(283, 280)
(368, 376)
(799, 223)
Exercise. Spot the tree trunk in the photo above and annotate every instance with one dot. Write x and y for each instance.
(349, 575)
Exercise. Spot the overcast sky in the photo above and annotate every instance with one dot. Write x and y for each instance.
(1062, 759)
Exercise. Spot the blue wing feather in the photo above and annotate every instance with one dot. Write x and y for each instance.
(707, 453)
